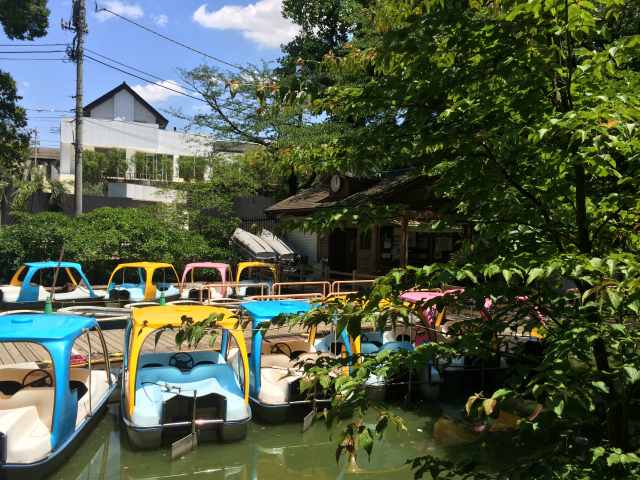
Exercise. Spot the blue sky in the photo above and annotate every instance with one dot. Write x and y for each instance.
(240, 31)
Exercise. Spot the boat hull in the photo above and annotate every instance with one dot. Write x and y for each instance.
(283, 413)
(149, 438)
(47, 466)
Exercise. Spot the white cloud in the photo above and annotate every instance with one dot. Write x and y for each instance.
(261, 22)
(156, 94)
(129, 10)
(160, 20)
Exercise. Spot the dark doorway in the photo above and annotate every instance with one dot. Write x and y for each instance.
(342, 250)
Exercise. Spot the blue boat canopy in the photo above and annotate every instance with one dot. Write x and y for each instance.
(265, 310)
(54, 264)
(43, 327)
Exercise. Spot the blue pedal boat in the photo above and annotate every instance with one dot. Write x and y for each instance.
(276, 365)
(30, 286)
(49, 403)
(168, 393)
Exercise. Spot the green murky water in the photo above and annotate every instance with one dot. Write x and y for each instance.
(279, 452)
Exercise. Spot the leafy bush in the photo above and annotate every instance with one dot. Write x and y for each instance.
(99, 240)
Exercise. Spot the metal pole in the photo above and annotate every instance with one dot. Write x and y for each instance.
(80, 25)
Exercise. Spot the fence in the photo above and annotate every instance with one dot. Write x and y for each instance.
(256, 224)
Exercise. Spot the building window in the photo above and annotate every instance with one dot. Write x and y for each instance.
(103, 163)
(192, 168)
(153, 166)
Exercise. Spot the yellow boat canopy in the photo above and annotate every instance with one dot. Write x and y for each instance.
(149, 268)
(256, 264)
(150, 319)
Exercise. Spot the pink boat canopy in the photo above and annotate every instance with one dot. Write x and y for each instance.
(223, 268)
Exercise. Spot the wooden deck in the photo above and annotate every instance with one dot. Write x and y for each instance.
(25, 352)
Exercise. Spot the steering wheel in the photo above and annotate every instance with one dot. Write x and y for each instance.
(280, 347)
(45, 381)
(182, 361)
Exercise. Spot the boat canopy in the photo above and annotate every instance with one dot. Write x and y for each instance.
(29, 292)
(147, 320)
(264, 311)
(222, 268)
(145, 285)
(43, 327)
(57, 333)
(266, 265)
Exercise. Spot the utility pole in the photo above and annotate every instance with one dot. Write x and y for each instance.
(79, 25)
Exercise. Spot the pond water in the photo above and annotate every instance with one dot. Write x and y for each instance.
(270, 452)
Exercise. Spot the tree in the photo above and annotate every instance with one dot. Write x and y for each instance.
(526, 114)
(100, 239)
(325, 26)
(24, 19)
(14, 140)
(21, 20)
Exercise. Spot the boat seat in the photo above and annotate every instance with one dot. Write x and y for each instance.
(274, 360)
(10, 293)
(40, 398)
(17, 372)
(79, 293)
(275, 384)
(28, 438)
(99, 388)
(151, 392)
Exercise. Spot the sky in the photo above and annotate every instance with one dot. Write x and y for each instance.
(238, 31)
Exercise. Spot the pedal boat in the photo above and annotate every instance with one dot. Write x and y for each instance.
(29, 290)
(165, 393)
(250, 275)
(421, 328)
(48, 405)
(191, 285)
(276, 365)
(143, 282)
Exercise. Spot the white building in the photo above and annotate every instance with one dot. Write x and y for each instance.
(121, 119)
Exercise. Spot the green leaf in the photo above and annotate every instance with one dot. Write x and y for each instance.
(365, 441)
(489, 406)
(470, 275)
(534, 274)
(600, 385)
(614, 298)
(558, 409)
(633, 374)
(501, 393)
(507, 274)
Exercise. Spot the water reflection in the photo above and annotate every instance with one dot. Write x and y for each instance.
(269, 453)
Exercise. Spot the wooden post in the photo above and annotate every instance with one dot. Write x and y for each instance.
(404, 241)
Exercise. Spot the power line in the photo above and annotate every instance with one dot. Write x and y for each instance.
(36, 59)
(13, 52)
(161, 35)
(137, 69)
(46, 110)
(145, 79)
(33, 44)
